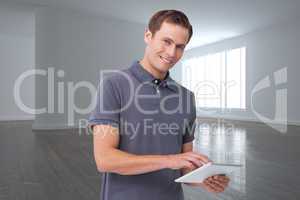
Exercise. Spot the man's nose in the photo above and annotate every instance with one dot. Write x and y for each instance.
(172, 51)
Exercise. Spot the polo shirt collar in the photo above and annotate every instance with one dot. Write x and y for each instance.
(144, 76)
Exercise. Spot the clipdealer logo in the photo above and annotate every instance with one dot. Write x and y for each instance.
(72, 88)
(56, 95)
(279, 122)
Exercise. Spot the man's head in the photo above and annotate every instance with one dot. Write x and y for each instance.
(170, 16)
(169, 31)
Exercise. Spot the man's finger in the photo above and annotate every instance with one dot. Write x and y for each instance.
(218, 184)
(221, 178)
(219, 181)
(209, 187)
(201, 157)
(214, 186)
(195, 161)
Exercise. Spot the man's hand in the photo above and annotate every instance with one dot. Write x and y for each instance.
(215, 184)
(188, 160)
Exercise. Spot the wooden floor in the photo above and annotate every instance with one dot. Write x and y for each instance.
(58, 165)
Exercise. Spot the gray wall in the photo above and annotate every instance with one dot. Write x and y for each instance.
(16, 57)
(80, 45)
(268, 50)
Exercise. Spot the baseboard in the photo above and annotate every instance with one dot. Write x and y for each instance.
(36, 126)
(294, 123)
(17, 118)
(247, 119)
(56, 126)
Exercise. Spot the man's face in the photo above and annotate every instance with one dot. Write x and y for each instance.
(166, 46)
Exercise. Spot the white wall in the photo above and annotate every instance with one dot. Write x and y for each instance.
(268, 50)
(81, 45)
(16, 57)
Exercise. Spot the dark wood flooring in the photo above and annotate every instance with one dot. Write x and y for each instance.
(58, 164)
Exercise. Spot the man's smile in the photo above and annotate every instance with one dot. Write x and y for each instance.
(166, 60)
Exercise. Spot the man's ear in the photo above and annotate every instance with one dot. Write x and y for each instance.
(147, 36)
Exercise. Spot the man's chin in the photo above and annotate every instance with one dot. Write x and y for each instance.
(164, 67)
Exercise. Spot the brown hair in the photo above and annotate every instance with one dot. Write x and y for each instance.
(170, 16)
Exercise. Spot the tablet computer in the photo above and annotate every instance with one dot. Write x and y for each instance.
(207, 170)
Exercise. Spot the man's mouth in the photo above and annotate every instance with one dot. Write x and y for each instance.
(166, 60)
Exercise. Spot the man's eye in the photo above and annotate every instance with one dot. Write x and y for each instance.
(181, 47)
(167, 42)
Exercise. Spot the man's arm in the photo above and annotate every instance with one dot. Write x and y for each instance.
(110, 159)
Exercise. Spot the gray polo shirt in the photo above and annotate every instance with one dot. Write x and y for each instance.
(154, 117)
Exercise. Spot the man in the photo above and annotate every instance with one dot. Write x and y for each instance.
(144, 122)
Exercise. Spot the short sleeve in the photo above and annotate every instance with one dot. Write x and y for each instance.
(191, 125)
(107, 110)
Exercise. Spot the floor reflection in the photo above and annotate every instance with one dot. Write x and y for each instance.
(269, 159)
(223, 142)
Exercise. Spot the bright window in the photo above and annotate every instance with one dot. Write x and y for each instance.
(218, 80)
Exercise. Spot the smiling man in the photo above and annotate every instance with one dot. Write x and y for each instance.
(144, 122)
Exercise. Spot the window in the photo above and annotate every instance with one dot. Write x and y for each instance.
(217, 80)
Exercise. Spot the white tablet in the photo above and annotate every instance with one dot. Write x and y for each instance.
(207, 170)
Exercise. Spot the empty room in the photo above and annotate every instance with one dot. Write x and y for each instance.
(140, 100)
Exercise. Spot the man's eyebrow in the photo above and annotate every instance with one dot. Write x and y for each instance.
(181, 45)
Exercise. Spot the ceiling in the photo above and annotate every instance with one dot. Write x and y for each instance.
(212, 20)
